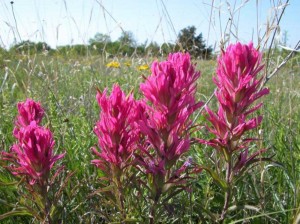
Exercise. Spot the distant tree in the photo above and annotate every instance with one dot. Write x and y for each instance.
(140, 49)
(167, 48)
(152, 49)
(100, 38)
(127, 38)
(99, 42)
(193, 43)
(73, 50)
(30, 47)
(125, 45)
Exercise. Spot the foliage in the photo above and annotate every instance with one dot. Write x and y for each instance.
(4, 56)
(127, 39)
(193, 43)
(100, 38)
(125, 45)
(30, 47)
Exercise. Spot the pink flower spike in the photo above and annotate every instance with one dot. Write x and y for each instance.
(116, 129)
(237, 90)
(172, 84)
(33, 153)
(170, 101)
(236, 79)
(28, 111)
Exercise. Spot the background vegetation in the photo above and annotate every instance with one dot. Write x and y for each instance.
(126, 45)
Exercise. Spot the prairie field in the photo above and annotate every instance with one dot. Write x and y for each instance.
(66, 87)
(65, 82)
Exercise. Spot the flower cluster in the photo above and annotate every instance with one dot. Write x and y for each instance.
(116, 131)
(170, 92)
(151, 134)
(237, 90)
(32, 155)
(116, 64)
(144, 142)
(143, 67)
(113, 64)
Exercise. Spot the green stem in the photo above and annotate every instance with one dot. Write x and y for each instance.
(120, 196)
(47, 205)
(121, 201)
(153, 212)
(228, 191)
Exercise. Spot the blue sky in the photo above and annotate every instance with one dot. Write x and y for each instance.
(60, 22)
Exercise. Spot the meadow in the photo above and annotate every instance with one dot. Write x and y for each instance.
(66, 88)
(249, 173)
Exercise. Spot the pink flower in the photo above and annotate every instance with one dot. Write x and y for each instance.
(31, 158)
(170, 94)
(116, 131)
(171, 89)
(28, 111)
(237, 81)
(33, 154)
(237, 91)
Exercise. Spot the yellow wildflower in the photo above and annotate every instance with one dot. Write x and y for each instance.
(128, 64)
(113, 64)
(143, 67)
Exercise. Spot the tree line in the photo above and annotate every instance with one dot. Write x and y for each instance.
(188, 40)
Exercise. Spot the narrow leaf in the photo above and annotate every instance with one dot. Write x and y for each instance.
(214, 175)
(14, 213)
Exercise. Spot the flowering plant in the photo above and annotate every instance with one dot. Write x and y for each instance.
(165, 122)
(113, 64)
(152, 134)
(237, 91)
(31, 158)
(117, 137)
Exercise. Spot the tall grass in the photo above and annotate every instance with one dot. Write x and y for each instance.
(67, 90)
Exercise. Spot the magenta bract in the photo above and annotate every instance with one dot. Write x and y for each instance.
(170, 101)
(32, 155)
(171, 88)
(34, 152)
(116, 131)
(237, 90)
(237, 81)
(28, 111)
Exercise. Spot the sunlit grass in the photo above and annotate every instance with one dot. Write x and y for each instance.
(67, 88)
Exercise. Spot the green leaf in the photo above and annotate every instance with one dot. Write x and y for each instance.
(217, 179)
(14, 213)
(260, 215)
(105, 189)
(130, 220)
(7, 204)
(8, 183)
